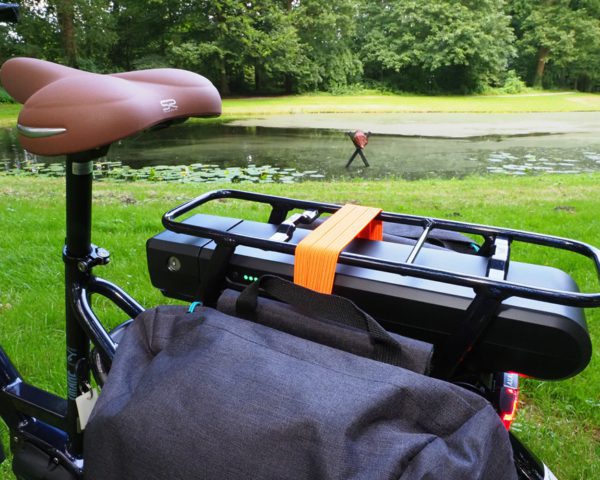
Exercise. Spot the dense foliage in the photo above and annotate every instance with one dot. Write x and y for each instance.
(271, 46)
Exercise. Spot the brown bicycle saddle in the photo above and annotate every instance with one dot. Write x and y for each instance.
(69, 111)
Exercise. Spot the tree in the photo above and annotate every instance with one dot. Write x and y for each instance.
(271, 46)
(442, 45)
(72, 32)
(145, 31)
(277, 55)
(65, 14)
(35, 35)
(239, 45)
(215, 39)
(326, 31)
(563, 33)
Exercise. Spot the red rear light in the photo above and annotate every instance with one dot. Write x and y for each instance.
(509, 398)
(507, 391)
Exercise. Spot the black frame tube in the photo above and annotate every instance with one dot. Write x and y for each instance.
(82, 325)
(77, 247)
(115, 294)
(91, 325)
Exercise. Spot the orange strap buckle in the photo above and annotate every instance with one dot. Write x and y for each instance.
(317, 254)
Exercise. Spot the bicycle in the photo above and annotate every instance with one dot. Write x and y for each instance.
(78, 114)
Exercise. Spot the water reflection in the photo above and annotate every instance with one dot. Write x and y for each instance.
(200, 153)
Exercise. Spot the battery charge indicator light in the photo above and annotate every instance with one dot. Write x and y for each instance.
(250, 278)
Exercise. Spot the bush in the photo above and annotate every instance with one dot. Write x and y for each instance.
(346, 89)
(150, 61)
(513, 83)
(5, 97)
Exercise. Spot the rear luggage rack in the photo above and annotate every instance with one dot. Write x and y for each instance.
(433, 283)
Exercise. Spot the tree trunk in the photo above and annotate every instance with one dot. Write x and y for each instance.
(65, 13)
(257, 78)
(542, 57)
(288, 83)
(224, 78)
(119, 52)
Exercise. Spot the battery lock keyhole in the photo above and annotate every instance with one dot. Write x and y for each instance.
(173, 264)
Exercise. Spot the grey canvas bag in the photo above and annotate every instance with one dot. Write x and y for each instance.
(205, 395)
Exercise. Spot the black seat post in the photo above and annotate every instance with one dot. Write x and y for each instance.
(76, 255)
(79, 204)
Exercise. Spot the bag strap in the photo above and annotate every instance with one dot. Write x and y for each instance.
(332, 308)
(317, 254)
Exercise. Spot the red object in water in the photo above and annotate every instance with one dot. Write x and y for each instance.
(360, 139)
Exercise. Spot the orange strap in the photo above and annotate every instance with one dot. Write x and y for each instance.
(317, 254)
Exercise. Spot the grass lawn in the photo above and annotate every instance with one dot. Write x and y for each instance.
(560, 421)
(8, 114)
(379, 103)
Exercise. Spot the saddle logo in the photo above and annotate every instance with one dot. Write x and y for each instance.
(169, 105)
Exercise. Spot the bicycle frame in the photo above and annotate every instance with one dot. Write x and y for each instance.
(40, 422)
(45, 436)
(44, 429)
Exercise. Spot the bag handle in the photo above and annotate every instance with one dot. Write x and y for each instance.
(333, 308)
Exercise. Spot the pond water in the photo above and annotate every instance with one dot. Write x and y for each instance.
(200, 153)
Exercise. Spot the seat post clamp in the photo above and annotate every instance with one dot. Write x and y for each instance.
(97, 256)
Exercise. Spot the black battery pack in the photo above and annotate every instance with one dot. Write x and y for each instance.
(535, 338)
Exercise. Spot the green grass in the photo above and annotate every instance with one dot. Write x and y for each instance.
(373, 102)
(560, 421)
(378, 103)
(8, 114)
